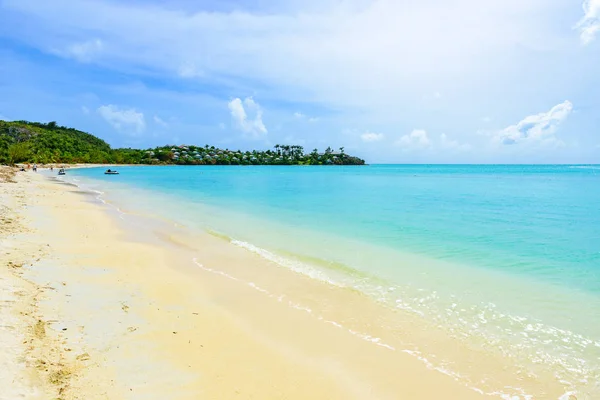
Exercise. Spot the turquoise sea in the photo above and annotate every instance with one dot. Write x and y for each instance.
(506, 255)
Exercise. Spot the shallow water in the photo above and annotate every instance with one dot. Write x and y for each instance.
(506, 258)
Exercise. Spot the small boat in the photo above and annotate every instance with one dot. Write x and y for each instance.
(110, 172)
(61, 172)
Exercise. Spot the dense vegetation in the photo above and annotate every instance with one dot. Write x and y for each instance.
(35, 142)
(23, 141)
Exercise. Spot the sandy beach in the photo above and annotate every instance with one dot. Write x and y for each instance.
(97, 306)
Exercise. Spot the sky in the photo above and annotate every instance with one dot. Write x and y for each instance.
(392, 81)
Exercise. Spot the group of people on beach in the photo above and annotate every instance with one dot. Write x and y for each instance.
(29, 167)
(23, 169)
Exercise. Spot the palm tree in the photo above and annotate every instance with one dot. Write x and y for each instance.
(342, 150)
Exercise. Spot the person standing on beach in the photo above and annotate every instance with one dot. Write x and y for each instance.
(34, 167)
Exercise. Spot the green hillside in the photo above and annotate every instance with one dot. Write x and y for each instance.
(34, 142)
(23, 141)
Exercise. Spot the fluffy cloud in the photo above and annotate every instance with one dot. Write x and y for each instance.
(83, 52)
(589, 25)
(247, 115)
(354, 61)
(416, 139)
(371, 137)
(449, 144)
(538, 127)
(354, 53)
(124, 120)
(299, 115)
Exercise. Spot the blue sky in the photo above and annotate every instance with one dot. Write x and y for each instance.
(511, 81)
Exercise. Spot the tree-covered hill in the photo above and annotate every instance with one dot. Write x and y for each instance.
(35, 142)
(23, 141)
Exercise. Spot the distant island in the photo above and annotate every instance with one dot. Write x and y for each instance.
(46, 143)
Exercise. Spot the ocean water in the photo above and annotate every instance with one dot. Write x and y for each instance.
(505, 256)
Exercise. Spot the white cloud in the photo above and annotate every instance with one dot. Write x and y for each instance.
(354, 61)
(85, 110)
(83, 52)
(416, 139)
(252, 125)
(589, 25)
(299, 115)
(127, 120)
(352, 53)
(539, 127)
(448, 144)
(419, 139)
(371, 137)
(159, 121)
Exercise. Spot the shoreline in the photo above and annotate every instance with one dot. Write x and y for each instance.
(237, 294)
(42, 167)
